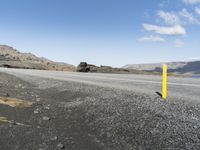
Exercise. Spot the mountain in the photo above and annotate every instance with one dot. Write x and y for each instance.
(12, 58)
(191, 68)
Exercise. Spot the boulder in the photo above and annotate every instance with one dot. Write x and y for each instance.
(83, 67)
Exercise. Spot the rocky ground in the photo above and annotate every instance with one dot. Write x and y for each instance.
(75, 116)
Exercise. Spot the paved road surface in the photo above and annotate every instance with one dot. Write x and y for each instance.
(179, 88)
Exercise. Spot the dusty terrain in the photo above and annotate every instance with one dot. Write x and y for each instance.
(56, 114)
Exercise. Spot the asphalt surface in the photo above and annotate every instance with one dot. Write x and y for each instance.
(83, 111)
(180, 88)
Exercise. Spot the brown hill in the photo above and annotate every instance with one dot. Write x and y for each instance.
(12, 58)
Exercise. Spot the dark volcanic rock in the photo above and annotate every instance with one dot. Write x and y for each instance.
(84, 67)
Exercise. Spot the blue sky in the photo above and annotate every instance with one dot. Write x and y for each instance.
(103, 32)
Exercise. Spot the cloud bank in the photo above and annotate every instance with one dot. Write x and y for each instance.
(169, 18)
(191, 1)
(152, 38)
(173, 30)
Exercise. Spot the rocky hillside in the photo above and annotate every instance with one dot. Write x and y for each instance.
(11, 58)
(173, 67)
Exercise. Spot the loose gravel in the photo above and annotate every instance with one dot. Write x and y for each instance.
(89, 117)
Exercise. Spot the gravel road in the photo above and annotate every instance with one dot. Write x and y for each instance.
(78, 111)
(179, 88)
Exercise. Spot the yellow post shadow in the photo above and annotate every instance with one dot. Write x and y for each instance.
(164, 82)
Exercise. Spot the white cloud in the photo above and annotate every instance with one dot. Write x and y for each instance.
(191, 1)
(195, 59)
(152, 38)
(178, 43)
(169, 18)
(173, 30)
(197, 10)
(163, 4)
(188, 16)
(182, 17)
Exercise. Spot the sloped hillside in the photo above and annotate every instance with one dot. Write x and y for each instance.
(12, 58)
(192, 67)
(153, 66)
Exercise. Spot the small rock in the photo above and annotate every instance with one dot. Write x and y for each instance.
(36, 111)
(47, 107)
(195, 127)
(46, 118)
(54, 138)
(198, 135)
(14, 123)
(7, 95)
(20, 86)
(60, 146)
(37, 99)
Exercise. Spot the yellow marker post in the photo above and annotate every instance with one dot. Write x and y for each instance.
(164, 82)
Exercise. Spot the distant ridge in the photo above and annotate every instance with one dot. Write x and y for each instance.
(184, 67)
(12, 58)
